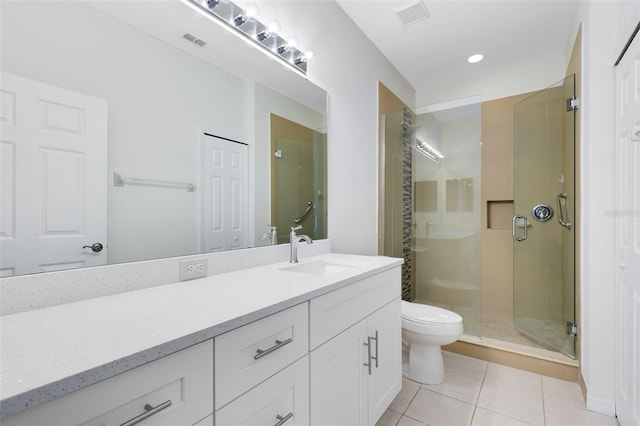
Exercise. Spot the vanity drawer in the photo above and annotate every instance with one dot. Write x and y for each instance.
(177, 388)
(250, 354)
(334, 312)
(281, 398)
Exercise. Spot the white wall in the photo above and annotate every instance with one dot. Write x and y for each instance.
(601, 47)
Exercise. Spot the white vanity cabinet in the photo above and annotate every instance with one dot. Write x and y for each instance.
(334, 359)
(174, 390)
(355, 362)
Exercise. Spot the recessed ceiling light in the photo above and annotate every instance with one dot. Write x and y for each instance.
(475, 58)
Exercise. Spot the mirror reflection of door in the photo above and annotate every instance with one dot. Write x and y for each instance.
(224, 194)
(298, 179)
(53, 178)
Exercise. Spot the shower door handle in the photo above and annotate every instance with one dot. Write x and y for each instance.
(562, 208)
(516, 220)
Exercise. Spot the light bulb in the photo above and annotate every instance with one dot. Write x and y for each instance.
(251, 12)
(292, 43)
(274, 27)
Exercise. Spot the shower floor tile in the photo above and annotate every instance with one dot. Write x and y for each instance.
(499, 326)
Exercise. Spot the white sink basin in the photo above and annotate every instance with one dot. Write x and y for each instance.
(322, 267)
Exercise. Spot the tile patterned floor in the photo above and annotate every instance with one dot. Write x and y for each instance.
(480, 393)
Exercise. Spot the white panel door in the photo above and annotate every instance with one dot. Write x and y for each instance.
(53, 147)
(224, 194)
(627, 215)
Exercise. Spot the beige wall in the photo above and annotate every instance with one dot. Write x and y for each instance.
(298, 180)
(389, 200)
(497, 192)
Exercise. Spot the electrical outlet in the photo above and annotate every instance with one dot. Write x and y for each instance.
(193, 268)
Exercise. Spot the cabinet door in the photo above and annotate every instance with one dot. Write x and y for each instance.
(385, 380)
(339, 379)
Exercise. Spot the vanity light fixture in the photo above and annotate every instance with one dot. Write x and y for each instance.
(475, 58)
(247, 15)
(284, 47)
(263, 35)
(428, 151)
(244, 22)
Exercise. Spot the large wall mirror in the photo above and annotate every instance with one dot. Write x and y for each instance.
(145, 128)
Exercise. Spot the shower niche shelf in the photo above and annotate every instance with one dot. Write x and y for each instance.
(499, 214)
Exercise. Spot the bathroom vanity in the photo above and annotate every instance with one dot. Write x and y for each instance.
(317, 342)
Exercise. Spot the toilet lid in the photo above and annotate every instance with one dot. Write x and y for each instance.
(419, 312)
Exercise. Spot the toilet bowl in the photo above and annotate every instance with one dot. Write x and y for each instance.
(424, 329)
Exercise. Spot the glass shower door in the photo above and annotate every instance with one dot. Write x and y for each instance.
(543, 222)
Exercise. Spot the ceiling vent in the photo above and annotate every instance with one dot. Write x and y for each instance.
(195, 40)
(412, 13)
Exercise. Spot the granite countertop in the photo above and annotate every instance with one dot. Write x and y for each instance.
(50, 352)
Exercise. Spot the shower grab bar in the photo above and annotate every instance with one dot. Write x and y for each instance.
(305, 214)
(516, 218)
(562, 206)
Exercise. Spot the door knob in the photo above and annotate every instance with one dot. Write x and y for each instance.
(96, 248)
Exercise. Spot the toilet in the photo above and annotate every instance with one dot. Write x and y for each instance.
(424, 329)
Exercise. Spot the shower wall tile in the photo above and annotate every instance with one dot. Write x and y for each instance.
(497, 184)
(497, 271)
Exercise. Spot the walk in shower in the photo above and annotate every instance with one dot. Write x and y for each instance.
(488, 213)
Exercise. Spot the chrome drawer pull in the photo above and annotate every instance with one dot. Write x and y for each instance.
(150, 412)
(278, 345)
(376, 357)
(368, 345)
(283, 420)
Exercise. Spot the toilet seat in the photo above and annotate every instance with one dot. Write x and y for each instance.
(427, 314)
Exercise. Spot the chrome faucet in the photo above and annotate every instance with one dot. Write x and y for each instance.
(295, 239)
(272, 236)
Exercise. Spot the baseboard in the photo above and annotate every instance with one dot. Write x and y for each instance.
(567, 370)
(601, 405)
